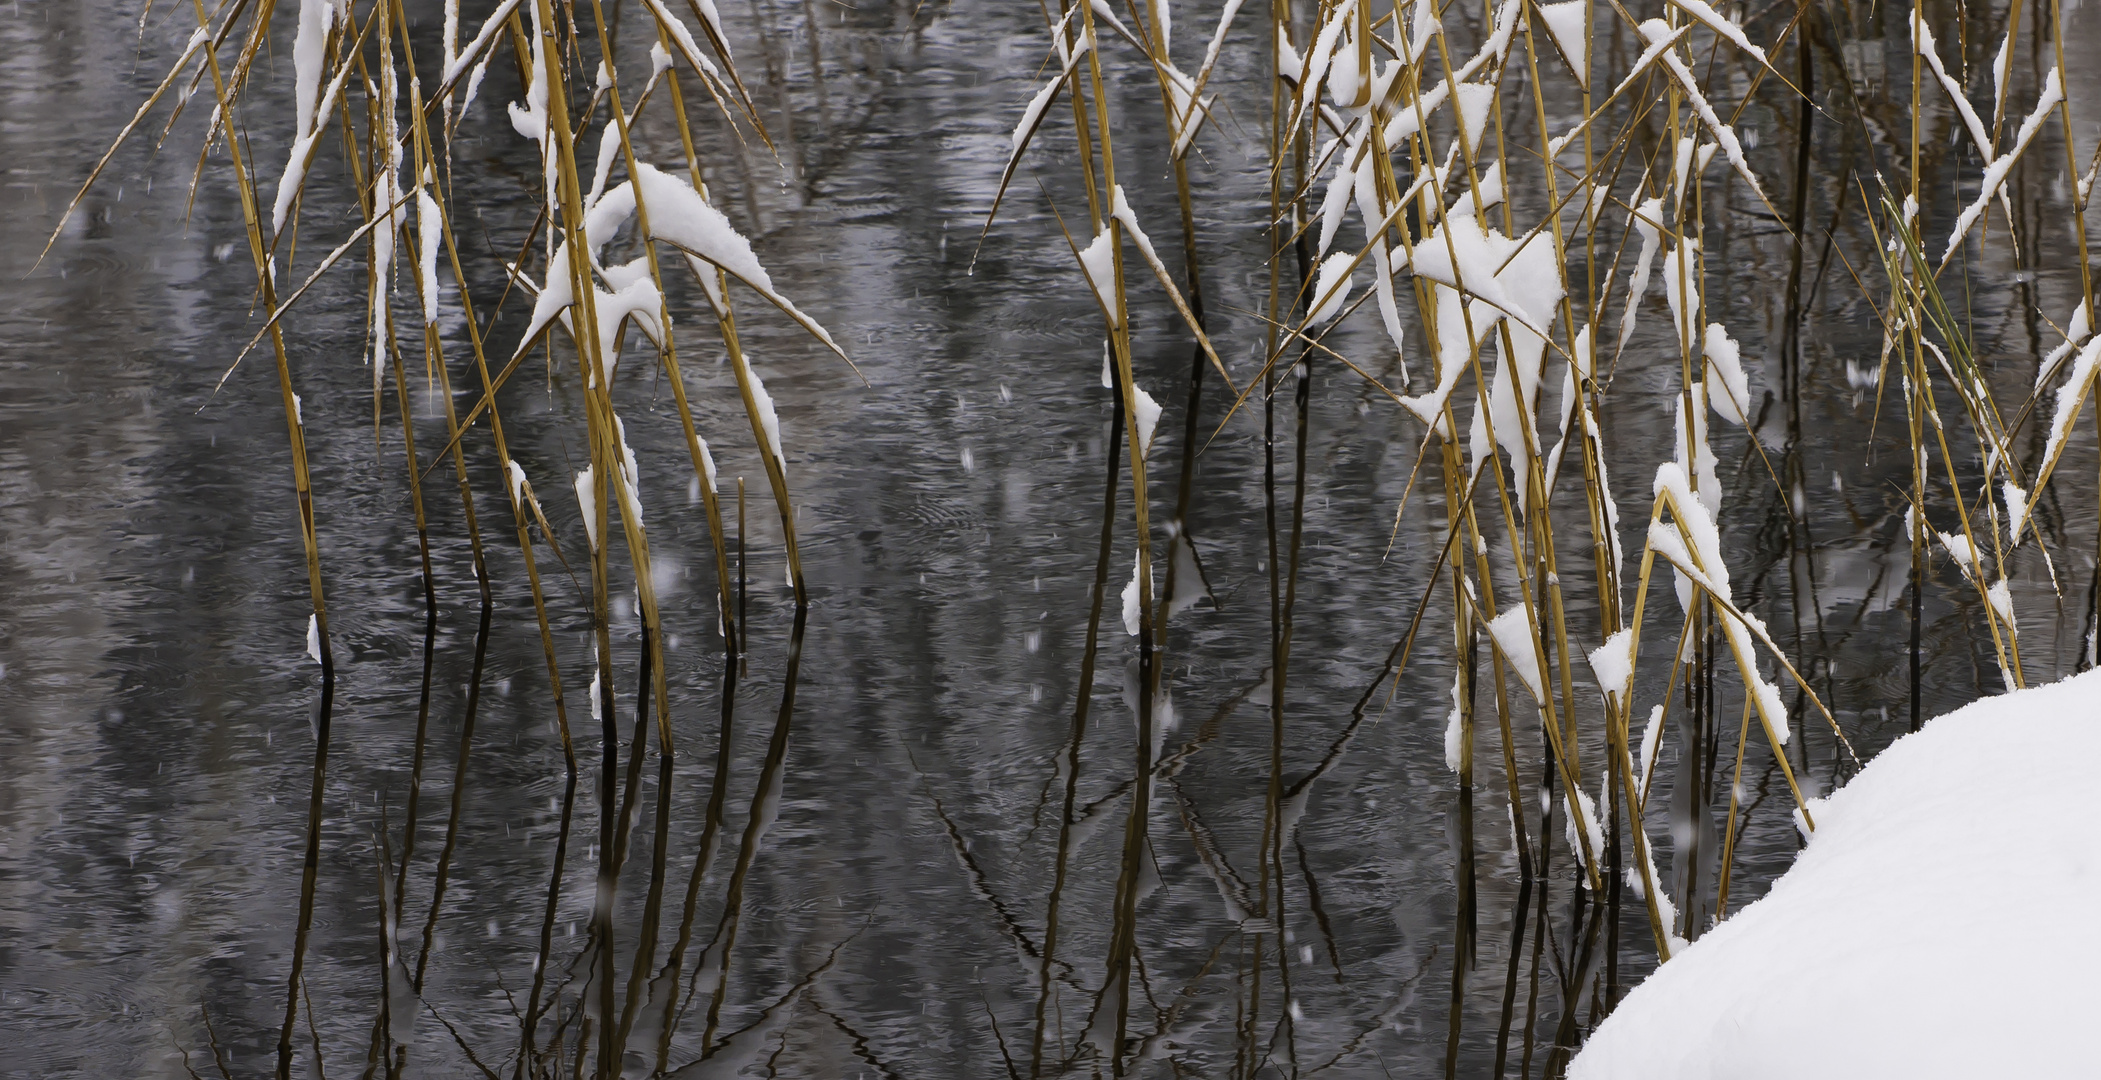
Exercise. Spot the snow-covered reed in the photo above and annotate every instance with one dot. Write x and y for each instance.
(1467, 208)
(358, 81)
(1515, 170)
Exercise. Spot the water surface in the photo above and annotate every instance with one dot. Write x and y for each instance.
(157, 706)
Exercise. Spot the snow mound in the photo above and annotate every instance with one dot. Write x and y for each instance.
(1939, 924)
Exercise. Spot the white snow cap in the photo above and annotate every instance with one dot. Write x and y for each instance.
(1131, 612)
(1454, 726)
(1614, 663)
(1651, 735)
(1564, 22)
(1590, 831)
(769, 420)
(1513, 637)
(680, 216)
(1148, 417)
(1725, 361)
(309, 54)
(1098, 262)
(430, 226)
(2016, 512)
(587, 501)
(707, 463)
(1331, 288)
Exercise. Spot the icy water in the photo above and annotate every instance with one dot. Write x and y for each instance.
(157, 705)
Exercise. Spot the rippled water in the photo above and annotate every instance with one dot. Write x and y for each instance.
(156, 703)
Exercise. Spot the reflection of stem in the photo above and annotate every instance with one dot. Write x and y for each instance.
(1280, 666)
(481, 644)
(1581, 972)
(816, 35)
(1083, 698)
(778, 80)
(430, 640)
(765, 803)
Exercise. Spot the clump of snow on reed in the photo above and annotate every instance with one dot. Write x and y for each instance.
(1133, 613)
(1614, 663)
(1512, 633)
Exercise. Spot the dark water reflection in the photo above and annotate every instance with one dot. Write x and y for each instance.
(155, 701)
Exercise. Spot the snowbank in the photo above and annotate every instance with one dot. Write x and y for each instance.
(1940, 924)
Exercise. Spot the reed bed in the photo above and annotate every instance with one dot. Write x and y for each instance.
(1469, 208)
